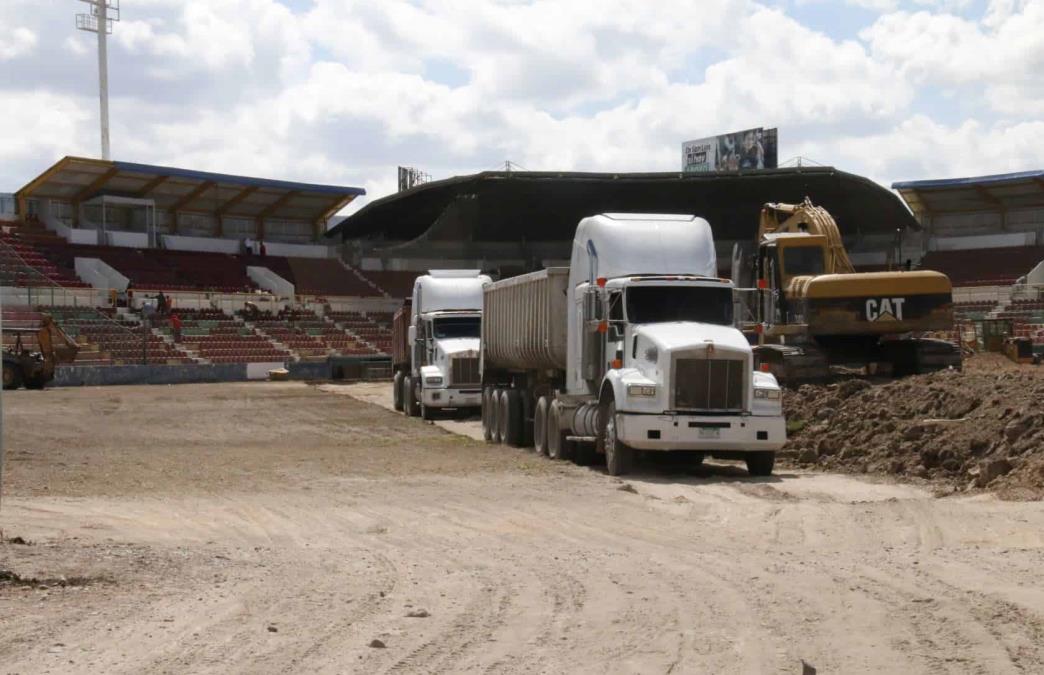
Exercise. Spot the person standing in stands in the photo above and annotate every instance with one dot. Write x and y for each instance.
(161, 303)
(175, 327)
(261, 250)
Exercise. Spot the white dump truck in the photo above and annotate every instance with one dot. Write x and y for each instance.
(436, 344)
(632, 347)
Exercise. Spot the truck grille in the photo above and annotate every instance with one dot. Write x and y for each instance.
(465, 371)
(709, 384)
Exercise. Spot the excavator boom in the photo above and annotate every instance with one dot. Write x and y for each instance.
(810, 219)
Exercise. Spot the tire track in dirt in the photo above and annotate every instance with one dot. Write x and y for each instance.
(477, 621)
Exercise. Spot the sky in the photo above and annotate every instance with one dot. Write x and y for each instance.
(344, 91)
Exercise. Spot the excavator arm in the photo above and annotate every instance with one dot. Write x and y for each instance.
(55, 344)
(808, 218)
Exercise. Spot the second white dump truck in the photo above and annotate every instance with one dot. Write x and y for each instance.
(439, 363)
(632, 347)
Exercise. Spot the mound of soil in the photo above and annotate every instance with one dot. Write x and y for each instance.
(977, 429)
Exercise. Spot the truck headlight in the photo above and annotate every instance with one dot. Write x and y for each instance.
(433, 380)
(771, 394)
(641, 390)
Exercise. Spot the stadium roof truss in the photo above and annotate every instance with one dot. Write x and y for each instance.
(78, 180)
(1002, 192)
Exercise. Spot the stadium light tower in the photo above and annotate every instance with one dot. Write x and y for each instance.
(100, 19)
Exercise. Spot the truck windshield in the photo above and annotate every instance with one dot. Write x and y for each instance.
(457, 327)
(802, 260)
(660, 304)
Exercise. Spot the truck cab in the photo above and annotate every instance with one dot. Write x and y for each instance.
(443, 343)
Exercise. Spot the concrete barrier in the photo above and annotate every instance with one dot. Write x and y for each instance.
(352, 368)
(311, 370)
(94, 376)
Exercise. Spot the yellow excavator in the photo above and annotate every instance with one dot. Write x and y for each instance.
(814, 310)
(35, 368)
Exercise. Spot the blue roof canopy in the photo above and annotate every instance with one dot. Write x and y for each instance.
(77, 179)
(997, 192)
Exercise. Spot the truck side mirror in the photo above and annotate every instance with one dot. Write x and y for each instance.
(412, 334)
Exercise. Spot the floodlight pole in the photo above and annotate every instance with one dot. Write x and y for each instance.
(103, 74)
(98, 21)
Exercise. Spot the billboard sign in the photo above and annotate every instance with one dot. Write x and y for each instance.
(749, 149)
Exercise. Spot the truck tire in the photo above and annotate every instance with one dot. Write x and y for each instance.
(487, 414)
(409, 395)
(36, 382)
(557, 445)
(511, 417)
(760, 463)
(397, 391)
(619, 458)
(494, 416)
(540, 426)
(12, 376)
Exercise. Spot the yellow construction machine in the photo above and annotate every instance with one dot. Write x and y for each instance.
(35, 368)
(813, 310)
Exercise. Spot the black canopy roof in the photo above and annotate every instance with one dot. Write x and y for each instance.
(546, 206)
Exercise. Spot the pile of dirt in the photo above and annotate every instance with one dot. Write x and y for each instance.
(974, 430)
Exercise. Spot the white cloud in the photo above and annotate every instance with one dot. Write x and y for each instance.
(17, 43)
(921, 147)
(943, 47)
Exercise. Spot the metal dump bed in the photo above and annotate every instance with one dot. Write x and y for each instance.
(524, 321)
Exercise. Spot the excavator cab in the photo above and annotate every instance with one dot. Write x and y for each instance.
(782, 259)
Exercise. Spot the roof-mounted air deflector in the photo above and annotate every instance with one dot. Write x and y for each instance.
(454, 274)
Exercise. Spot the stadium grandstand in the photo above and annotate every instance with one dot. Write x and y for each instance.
(113, 251)
(987, 234)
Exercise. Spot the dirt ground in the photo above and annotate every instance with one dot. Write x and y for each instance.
(285, 528)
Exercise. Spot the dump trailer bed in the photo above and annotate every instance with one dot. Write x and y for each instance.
(524, 322)
(400, 336)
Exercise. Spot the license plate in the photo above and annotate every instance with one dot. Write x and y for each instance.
(710, 433)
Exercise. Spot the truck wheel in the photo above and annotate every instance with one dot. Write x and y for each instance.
(12, 377)
(511, 417)
(487, 414)
(409, 397)
(494, 416)
(540, 426)
(397, 391)
(619, 458)
(35, 382)
(557, 445)
(760, 463)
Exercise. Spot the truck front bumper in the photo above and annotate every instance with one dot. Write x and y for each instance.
(732, 433)
(452, 398)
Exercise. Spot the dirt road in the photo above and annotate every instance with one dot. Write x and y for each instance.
(280, 528)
